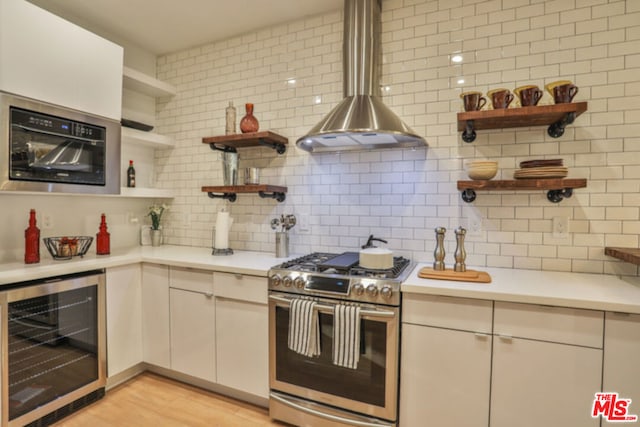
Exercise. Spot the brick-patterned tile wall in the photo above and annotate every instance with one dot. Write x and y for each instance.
(293, 75)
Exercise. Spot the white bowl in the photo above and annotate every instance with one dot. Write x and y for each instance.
(482, 170)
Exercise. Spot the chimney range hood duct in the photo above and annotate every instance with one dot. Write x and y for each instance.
(361, 121)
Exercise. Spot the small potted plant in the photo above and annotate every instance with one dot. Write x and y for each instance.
(155, 212)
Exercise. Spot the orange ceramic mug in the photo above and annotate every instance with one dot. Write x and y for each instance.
(473, 101)
(529, 95)
(562, 91)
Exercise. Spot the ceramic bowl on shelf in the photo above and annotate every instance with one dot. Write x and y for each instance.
(482, 169)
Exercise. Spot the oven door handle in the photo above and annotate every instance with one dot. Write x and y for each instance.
(328, 308)
(331, 417)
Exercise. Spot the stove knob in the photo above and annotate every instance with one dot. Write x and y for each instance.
(372, 290)
(358, 289)
(299, 282)
(287, 281)
(386, 292)
(275, 280)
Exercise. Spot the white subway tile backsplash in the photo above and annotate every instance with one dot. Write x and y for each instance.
(404, 194)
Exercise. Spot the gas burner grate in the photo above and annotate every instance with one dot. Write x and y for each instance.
(399, 264)
(307, 262)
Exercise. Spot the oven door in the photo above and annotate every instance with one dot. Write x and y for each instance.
(371, 389)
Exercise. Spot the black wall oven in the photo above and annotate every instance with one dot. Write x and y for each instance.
(53, 348)
(55, 149)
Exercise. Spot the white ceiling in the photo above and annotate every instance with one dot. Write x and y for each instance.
(164, 26)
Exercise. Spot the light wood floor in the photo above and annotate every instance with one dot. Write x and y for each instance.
(154, 401)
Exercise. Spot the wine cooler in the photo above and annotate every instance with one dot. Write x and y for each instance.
(53, 348)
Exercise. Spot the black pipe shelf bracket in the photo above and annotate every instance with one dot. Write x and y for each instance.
(556, 130)
(468, 195)
(469, 134)
(231, 197)
(556, 196)
(280, 197)
(280, 148)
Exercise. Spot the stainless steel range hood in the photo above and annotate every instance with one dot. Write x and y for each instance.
(361, 121)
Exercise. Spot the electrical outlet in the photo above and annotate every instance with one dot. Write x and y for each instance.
(560, 227)
(474, 224)
(47, 221)
(302, 224)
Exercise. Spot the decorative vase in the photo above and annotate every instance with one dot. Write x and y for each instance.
(249, 123)
(156, 237)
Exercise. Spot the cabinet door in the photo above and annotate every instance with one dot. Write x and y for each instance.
(57, 61)
(537, 383)
(155, 315)
(445, 377)
(193, 319)
(124, 321)
(242, 345)
(621, 367)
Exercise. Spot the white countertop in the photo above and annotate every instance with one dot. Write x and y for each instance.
(591, 291)
(578, 290)
(243, 262)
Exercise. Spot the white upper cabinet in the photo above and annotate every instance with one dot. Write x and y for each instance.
(47, 58)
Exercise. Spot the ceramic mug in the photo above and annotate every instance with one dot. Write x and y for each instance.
(562, 91)
(529, 95)
(473, 101)
(500, 98)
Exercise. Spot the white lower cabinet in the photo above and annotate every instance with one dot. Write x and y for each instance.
(242, 346)
(465, 363)
(445, 362)
(547, 365)
(621, 368)
(155, 315)
(193, 317)
(124, 320)
(538, 383)
(445, 377)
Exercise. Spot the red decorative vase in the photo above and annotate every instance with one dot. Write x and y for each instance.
(249, 123)
(32, 240)
(103, 238)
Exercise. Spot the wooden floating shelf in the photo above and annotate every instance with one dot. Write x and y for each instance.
(556, 116)
(558, 189)
(630, 255)
(229, 192)
(244, 140)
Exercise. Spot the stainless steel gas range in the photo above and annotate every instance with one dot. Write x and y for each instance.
(315, 390)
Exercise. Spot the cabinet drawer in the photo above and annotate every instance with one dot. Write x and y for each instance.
(556, 324)
(241, 287)
(191, 279)
(447, 312)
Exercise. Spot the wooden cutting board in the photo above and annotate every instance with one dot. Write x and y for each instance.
(467, 276)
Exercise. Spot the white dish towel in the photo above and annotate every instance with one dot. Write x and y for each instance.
(304, 328)
(346, 336)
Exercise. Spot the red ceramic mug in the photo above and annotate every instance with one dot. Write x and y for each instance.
(562, 91)
(529, 95)
(500, 98)
(473, 101)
